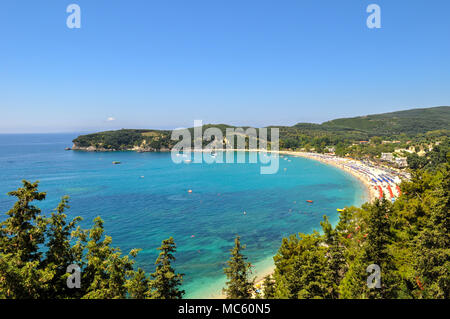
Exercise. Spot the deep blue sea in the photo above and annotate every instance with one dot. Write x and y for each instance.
(145, 200)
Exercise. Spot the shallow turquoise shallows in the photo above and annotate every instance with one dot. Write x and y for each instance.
(145, 199)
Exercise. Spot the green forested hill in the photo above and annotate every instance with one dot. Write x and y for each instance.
(409, 122)
(339, 132)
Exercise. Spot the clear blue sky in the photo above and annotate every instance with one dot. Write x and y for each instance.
(164, 63)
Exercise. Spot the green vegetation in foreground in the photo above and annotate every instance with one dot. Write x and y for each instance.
(239, 285)
(409, 240)
(27, 272)
(381, 133)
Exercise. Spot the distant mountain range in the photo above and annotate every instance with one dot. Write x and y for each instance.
(388, 125)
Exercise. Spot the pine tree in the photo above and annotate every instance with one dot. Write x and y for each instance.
(433, 247)
(21, 234)
(337, 265)
(269, 287)
(137, 285)
(119, 268)
(309, 277)
(23, 231)
(60, 253)
(106, 269)
(165, 283)
(374, 250)
(284, 261)
(238, 286)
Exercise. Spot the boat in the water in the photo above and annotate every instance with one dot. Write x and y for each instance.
(310, 201)
(116, 162)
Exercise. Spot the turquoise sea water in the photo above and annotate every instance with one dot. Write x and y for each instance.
(145, 200)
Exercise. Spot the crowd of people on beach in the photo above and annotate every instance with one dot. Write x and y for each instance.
(381, 181)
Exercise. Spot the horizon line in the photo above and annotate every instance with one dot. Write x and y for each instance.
(171, 129)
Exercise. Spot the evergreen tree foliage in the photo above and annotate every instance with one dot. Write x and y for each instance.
(309, 277)
(433, 244)
(408, 240)
(284, 261)
(35, 252)
(21, 234)
(374, 250)
(60, 253)
(138, 285)
(268, 287)
(165, 283)
(335, 257)
(238, 285)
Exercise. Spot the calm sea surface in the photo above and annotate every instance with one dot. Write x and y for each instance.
(145, 200)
